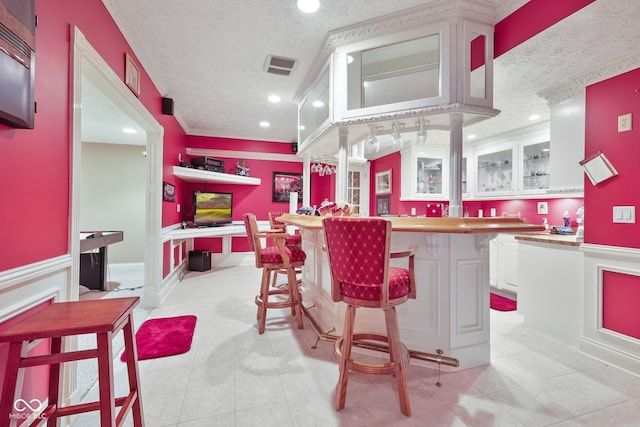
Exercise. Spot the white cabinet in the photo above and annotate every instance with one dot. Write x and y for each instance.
(535, 167)
(425, 173)
(503, 265)
(511, 168)
(495, 172)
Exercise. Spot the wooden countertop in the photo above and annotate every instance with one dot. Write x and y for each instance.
(556, 239)
(432, 225)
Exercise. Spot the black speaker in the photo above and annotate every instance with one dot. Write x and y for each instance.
(199, 260)
(167, 106)
(294, 147)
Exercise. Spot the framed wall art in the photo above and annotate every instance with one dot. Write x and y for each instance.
(383, 182)
(168, 192)
(285, 183)
(132, 75)
(382, 205)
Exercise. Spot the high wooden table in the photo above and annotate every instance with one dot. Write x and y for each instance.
(451, 312)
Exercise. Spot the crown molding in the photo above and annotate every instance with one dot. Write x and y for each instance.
(577, 85)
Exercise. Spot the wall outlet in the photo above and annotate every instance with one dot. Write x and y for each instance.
(624, 122)
(543, 208)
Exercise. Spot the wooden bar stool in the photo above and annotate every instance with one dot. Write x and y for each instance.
(272, 259)
(105, 318)
(359, 254)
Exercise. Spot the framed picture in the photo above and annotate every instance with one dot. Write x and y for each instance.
(285, 183)
(168, 192)
(383, 182)
(382, 205)
(132, 75)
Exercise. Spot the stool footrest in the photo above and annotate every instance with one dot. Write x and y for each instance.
(276, 304)
(54, 359)
(93, 406)
(371, 341)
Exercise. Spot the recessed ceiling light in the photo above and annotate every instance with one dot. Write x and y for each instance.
(308, 6)
(534, 117)
(274, 98)
(302, 127)
(265, 124)
(129, 130)
(318, 104)
(472, 136)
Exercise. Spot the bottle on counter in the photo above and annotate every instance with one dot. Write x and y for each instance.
(545, 223)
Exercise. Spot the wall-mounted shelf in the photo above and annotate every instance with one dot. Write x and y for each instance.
(198, 175)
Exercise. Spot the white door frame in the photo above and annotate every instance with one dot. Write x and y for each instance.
(86, 60)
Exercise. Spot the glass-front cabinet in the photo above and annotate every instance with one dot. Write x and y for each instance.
(536, 174)
(495, 172)
(429, 175)
(425, 173)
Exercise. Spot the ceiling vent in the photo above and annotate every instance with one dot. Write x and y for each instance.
(279, 65)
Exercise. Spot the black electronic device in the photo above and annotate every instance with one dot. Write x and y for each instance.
(199, 260)
(212, 209)
(17, 63)
(208, 164)
(167, 106)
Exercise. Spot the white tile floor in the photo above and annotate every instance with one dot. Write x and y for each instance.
(234, 377)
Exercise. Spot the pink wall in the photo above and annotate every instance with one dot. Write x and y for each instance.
(246, 198)
(605, 101)
(532, 18)
(36, 162)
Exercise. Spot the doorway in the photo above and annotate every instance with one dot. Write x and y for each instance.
(88, 65)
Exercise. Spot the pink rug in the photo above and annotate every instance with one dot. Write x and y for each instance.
(500, 303)
(164, 337)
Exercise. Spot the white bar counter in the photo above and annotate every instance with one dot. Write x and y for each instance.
(451, 311)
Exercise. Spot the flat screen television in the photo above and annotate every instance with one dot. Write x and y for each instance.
(212, 209)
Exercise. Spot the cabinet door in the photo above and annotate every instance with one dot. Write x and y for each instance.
(508, 263)
(495, 173)
(429, 176)
(536, 173)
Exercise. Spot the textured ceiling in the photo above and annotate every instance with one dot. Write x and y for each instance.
(208, 55)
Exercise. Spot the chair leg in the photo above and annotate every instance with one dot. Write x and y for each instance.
(294, 294)
(347, 339)
(395, 353)
(264, 296)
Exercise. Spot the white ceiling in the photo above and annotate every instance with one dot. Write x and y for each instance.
(209, 55)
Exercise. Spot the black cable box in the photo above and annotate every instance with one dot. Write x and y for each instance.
(208, 164)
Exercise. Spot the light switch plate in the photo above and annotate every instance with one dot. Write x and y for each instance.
(624, 214)
(543, 208)
(624, 122)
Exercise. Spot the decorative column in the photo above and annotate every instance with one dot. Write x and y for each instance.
(455, 161)
(343, 164)
(306, 181)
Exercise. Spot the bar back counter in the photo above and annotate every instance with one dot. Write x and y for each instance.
(450, 316)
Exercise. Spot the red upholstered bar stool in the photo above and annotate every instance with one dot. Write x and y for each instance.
(105, 318)
(276, 224)
(291, 240)
(271, 259)
(359, 253)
